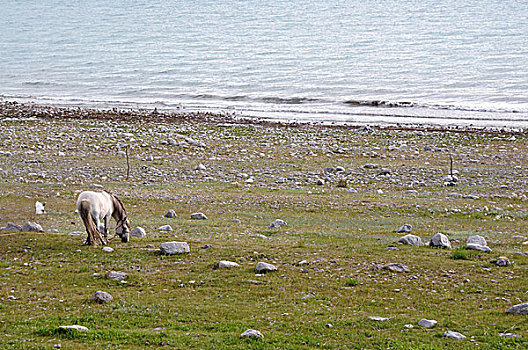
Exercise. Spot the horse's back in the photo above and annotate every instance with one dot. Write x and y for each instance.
(96, 199)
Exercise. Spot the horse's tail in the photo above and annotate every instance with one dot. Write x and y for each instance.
(94, 237)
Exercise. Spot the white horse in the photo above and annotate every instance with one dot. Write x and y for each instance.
(95, 209)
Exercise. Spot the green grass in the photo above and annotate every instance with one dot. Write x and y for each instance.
(179, 302)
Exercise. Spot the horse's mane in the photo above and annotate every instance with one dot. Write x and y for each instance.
(121, 207)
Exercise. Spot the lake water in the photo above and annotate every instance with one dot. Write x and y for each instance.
(440, 62)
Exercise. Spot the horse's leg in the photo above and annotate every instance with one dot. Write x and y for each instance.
(100, 228)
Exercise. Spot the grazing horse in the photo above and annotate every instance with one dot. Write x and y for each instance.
(95, 209)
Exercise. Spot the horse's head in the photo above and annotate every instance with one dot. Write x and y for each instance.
(123, 230)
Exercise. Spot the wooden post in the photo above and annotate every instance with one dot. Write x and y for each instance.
(128, 162)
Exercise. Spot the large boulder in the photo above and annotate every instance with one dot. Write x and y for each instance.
(172, 248)
(440, 240)
(411, 240)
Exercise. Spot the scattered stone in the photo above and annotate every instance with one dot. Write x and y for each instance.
(482, 248)
(263, 267)
(396, 267)
(454, 335)
(329, 325)
(378, 318)
(73, 327)
(198, 216)
(427, 323)
(502, 261)
(11, 227)
(411, 240)
(165, 228)
(509, 335)
(108, 249)
(251, 333)
(32, 226)
(385, 171)
(172, 248)
(320, 182)
(39, 208)
(404, 229)
(201, 167)
(278, 223)
(150, 158)
(138, 232)
(519, 309)
(116, 275)
(194, 142)
(477, 240)
(440, 240)
(371, 166)
(102, 297)
(207, 246)
(236, 221)
(227, 264)
(259, 235)
(170, 214)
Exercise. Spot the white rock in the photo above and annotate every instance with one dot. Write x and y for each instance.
(378, 318)
(11, 227)
(74, 327)
(165, 228)
(102, 297)
(411, 240)
(263, 267)
(482, 248)
(224, 264)
(194, 142)
(39, 208)
(171, 248)
(441, 241)
(32, 226)
(198, 216)
(138, 232)
(251, 333)
(278, 223)
(477, 240)
(519, 309)
(404, 229)
(427, 323)
(502, 261)
(116, 275)
(454, 335)
(510, 335)
(201, 167)
(170, 214)
(108, 249)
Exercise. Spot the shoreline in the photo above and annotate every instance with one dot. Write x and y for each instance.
(15, 109)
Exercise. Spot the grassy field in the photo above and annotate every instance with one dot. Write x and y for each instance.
(255, 174)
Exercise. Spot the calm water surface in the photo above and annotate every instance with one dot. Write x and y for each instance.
(463, 62)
